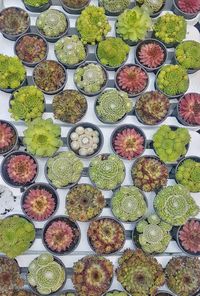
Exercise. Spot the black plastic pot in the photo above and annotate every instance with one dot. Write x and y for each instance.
(73, 10)
(11, 90)
(109, 13)
(178, 11)
(15, 145)
(164, 293)
(38, 8)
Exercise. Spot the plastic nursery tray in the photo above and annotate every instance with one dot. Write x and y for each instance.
(7, 47)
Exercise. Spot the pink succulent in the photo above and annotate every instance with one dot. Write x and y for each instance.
(7, 136)
(189, 6)
(151, 55)
(189, 236)
(189, 108)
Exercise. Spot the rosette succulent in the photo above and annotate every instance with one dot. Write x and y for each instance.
(188, 54)
(92, 275)
(75, 3)
(36, 3)
(16, 235)
(139, 274)
(116, 293)
(46, 274)
(115, 6)
(152, 5)
(189, 6)
(107, 171)
(128, 204)
(64, 169)
(8, 201)
(175, 205)
(189, 236)
(8, 137)
(189, 108)
(68, 293)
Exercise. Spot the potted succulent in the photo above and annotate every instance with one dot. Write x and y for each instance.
(149, 173)
(132, 79)
(175, 205)
(90, 78)
(188, 9)
(27, 103)
(85, 139)
(39, 201)
(84, 202)
(152, 108)
(152, 235)
(68, 293)
(14, 22)
(8, 137)
(164, 293)
(37, 6)
(50, 77)
(94, 276)
(112, 106)
(69, 106)
(31, 49)
(188, 109)
(151, 54)
(170, 143)
(106, 236)
(129, 204)
(107, 171)
(139, 272)
(74, 6)
(132, 25)
(24, 293)
(112, 53)
(19, 169)
(63, 170)
(42, 137)
(128, 141)
(17, 234)
(154, 7)
(115, 293)
(61, 235)
(7, 201)
(70, 51)
(52, 274)
(114, 7)
(187, 173)
(187, 54)
(97, 25)
(183, 275)
(13, 73)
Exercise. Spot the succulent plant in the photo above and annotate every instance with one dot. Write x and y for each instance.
(189, 236)
(188, 174)
(175, 205)
(133, 24)
(112, 105)
(152, 235)
(14, 21)
(112, 51)
(36, 3)
(42, 137)
(107, 171)
(115, 6)
(27, 103)
(92, 24)
(183, 275)
(70, 50)
(128, 204)
(75, 3)
(16, 235)
(106, 235)
(66, 293)
(12, 72)
(84, 202)
(49, 76)
(46, 274)
(92, 275)
(90, 78)
(116, 293)
(151, 54)
(171, 143)
(188, 54)
(189, 108)
(152, 5)
(149, 174)
(132, 79)
(170, 28)
(8, 137)
(24, 293)
(7, 201)
(64, 169)
(189, 6)
(52, 23)
(139, 274)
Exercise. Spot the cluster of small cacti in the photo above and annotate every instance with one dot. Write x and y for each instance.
(8, 137)
(188, 54)
(115, 6)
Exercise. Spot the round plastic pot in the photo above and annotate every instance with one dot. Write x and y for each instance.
(15, 145)
(164, 293)
(38, 9)
(11, 90)
(71, 10)
(178, 11)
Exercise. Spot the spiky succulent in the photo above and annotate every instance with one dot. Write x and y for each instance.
(92, 275)
(84, 202)
(149, 174)
(106, 236)
(151, 54)
(7, 201)
(75, 3)
(42, 137)
(36, 3)
(115, 6)
(139, 274)
(188, 54)
(46, 274)
(64, 169)
(116, 293)
(189, 6)
(175, 205)
(16, 235)
(189, 236)
(183, 275)
(152, 5)
(189, 108)
(8, 137)
(107, 171)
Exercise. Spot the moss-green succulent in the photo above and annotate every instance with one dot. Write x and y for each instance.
(115, 6)
(188, 175)
(36, 3)
(188, 54)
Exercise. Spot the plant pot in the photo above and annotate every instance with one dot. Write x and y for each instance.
(109, 13)
(156, 14)
(67, 291)
(178, 11)
(38, 8)
(15, 143)
(164, 293)
(74, 10)
(11, 90)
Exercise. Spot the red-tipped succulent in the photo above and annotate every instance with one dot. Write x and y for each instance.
(189, 108)
(151, 55)
(189, 6)
(7, 137)
(189, 236)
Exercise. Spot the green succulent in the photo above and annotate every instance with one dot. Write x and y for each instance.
(68, 294)
(36, 3)
(188, 175)
(27, 103)
(133, 24)
(152, 5)
(92, 24)
(42, 137)
(128, 204)
(115, 6)
(188, 54)
(16, 235)
(12, 72)
(170, 144)
(116, 293)
(175, 205)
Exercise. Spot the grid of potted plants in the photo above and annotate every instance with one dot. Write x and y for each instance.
(175, 209)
